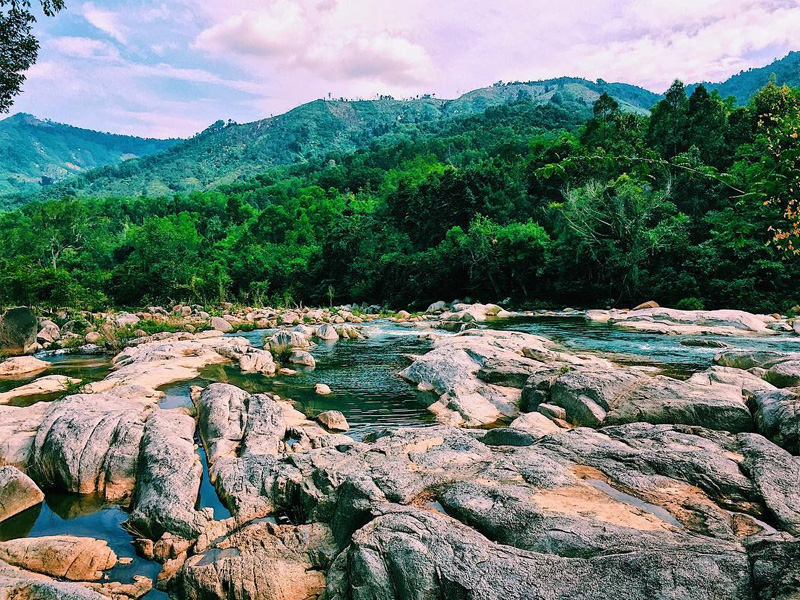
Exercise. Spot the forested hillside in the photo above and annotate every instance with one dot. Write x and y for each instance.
(35, 153)
(229, 152)
(694, 205)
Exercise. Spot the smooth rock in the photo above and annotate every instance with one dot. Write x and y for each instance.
(18, 492)
(220, 324)
(322, 389)
(333, 420)
(20, 366)
(18, 329)
(63, 556)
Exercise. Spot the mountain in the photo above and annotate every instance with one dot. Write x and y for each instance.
(745, 84)
(227, 151)
(36, 153)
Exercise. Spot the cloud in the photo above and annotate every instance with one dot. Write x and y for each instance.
(105, 21)
(315, 36)
(82, 47)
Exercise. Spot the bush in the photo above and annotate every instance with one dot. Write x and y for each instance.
(690, 304)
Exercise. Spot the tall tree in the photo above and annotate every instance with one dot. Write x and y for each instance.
(19, 48)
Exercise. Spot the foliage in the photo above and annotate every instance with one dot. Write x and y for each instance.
(539, 203)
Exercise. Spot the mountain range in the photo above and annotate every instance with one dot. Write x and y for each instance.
(46, 159)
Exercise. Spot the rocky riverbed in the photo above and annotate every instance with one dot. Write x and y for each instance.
(543, 471)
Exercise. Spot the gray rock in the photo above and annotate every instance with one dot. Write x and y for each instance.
(301, 357)
(18, 329)
(49, 332)
(553, 411)
(333, 420)
(283, 342)
(507, 436)
(89, 443)
(326, 332)
(423, 554)
(775, 567)
(18, 492)
(221, 324)
(168, 479)
(777, 417)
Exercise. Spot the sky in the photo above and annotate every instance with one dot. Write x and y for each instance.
(170, 69)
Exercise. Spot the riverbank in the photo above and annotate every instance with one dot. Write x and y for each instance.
(543, 467)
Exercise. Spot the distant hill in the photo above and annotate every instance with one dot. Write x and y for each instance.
(745, 84)
(36, 153)
(227, 152)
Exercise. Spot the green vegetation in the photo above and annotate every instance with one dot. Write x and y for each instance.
(36, 153)
(541, 203)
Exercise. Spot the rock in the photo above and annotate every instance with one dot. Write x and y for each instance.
(508, 436)
(326, 332)
(89, 443)
(412, 549)
(648, 304)
(304, 330)
(290, 318)
(703, 343)
(18, 329)
(776, 474)
(63, 556)
(322, 389)
(437, 307)
(535, 423)
(775, 560)
(220, 324)
(403, 314)
(687, 322)
(48, 332)
(333, 420)
(168, 478)
(257, 361)
(20, 366)
(301, 357)
(552, 411)
(51, 384)
(18, 492)
(259, 561)
(93, 337)
(283, 342)
(126, 320)
(777, 417)
(18, 426)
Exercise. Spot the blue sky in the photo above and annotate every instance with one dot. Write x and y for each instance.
(159, 69)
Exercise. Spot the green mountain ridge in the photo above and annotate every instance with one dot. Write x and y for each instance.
(36, 152)
(227, 152)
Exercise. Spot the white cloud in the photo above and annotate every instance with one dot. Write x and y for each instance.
(105, 21)
(82, 47)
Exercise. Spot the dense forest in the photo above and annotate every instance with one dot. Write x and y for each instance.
(694, 205)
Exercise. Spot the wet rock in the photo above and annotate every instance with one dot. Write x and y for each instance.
(168, 478)
(410, 553)
(322, 389)
(18, 492)
(301, 357)
(89, 443)
(21, 366)
(63, 556)
(220, 324)
(259, 561)
(51, 384)
(326, 332)
(18, 329)
(333, 420)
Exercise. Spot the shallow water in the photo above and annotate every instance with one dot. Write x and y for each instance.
(87, 516)
(87, 368)
(577, 335)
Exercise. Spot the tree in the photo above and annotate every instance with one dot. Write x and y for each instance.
(18, 46)
(667, 128)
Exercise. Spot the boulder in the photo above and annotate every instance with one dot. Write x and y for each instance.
(283, 342)
(126, 320)
(648, 304)
(687, 322)
(18, 427)
(326, 332)
(49, 332)
(220, 324)
(21, 366)
(403, 314)
(257, 361)
(333, 420)
(168, 478)
(261, 560)
(410, 553)
(322, 389)
(18, 329)
(301, 357)
(62, 556)
(20, 584)
(777, 417)
(535, 423)
(89, 443)
(437, 307)
(18, 492)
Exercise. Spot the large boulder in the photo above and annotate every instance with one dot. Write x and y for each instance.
(62, 556)
(16, 583)
(18, 329)
(283, 342)
(777, 416)
(49, 332)
(260, 560)
(220, 324)
(22, 366)
(333, 420)
(89, 443)
(18, 492)
(412, 553)
(168, 478)
(326, 332)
